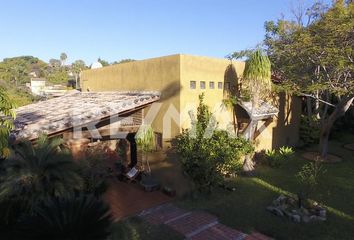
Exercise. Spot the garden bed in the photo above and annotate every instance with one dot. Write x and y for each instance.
(288, 207)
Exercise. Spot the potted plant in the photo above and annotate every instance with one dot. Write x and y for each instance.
(146, 141)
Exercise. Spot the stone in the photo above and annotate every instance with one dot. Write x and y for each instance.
(306, 219)
(280, 200)
(296, 218)
(291, 201)
(322, 213)
(270, 208)
(278, 212)
(304, 211)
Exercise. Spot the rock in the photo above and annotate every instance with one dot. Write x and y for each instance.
(275, 211)
(322, 213)
(296, 218)
(280, 200)
(304, 211)
(306, 219)
(270, 208)
(291, 201)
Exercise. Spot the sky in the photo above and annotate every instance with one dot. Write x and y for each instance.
(136, 29)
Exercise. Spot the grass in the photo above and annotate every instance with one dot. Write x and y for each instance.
(244, 209)
(135, 228)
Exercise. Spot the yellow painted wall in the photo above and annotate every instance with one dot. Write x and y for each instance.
(156, 74)
(195, 68)
(171, 75)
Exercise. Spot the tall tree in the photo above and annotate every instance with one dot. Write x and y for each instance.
(76, 68)
(103, 62)
(54, 63)
(257, 79)
(63, 58)
(317, 61)
(58, 76)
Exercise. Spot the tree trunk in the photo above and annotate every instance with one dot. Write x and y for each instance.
(76, 81)
(309, 106)
(327, 124)
(248, 164)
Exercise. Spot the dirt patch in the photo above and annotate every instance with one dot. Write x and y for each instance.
(349, 146)
(315, 156)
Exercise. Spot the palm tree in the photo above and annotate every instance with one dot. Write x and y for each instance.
(34, 172)
(77, 67)
(63, 58)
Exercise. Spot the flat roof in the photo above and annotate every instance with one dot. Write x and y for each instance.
(76, 110)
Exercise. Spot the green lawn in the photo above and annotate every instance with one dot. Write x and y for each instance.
(244, 209)
(135, 228)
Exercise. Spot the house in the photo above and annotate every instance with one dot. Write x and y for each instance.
(181, 79)
(40, 87)
(80, 118)
(37, 85)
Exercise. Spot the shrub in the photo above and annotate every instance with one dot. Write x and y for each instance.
(206, 153)
(95, 171)
(275, 158)
(35, 172)
(309, 130)
(80, 218)
(309, 178)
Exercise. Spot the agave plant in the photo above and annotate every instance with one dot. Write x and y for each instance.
(72, 217)
(34, 172)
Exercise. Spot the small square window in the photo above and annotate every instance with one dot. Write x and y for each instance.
(202, 84)
(193, 84)
(227, 86)
(211, 85)
(219, 85)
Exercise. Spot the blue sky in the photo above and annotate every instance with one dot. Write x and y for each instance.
(138, 29)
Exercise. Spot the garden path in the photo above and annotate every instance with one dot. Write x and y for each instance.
(195, 225)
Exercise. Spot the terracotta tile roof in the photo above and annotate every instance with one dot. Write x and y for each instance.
(75, 109)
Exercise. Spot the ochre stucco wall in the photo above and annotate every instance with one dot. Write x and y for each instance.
(171, 75)
(156, 74)
(195, 68)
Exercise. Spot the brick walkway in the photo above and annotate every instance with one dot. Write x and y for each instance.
(196, 225)
(127, 199)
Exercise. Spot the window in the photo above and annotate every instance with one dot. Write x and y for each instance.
(193, 84)
(227, 86)
(211, 85)
(219, 85)
(202, 84)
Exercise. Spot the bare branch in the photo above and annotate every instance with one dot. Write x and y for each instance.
(318, 99)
